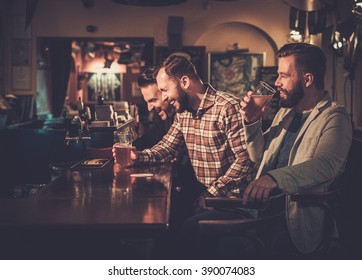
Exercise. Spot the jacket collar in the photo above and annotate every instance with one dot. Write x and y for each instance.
(326, 99)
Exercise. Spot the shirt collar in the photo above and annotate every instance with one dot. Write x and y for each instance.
(207, 101)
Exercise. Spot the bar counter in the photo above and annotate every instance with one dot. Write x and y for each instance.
(88, 204)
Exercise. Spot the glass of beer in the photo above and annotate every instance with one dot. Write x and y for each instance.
(123, 146)
(262, 95)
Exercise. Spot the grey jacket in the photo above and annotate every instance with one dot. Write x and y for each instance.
(317, 157)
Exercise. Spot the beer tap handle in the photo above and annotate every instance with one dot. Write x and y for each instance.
(80, 107)
(88, 114)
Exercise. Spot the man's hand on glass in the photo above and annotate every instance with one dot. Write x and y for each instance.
(249, 110)
(133, 154)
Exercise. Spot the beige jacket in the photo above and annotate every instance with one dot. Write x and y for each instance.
(317, 157)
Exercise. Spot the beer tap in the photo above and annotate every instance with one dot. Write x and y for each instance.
(81, 123)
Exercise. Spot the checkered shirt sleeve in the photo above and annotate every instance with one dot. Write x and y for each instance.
(167, 149)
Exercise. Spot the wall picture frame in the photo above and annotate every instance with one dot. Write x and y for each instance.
(234, 72)
(21, 77)
(108, 84)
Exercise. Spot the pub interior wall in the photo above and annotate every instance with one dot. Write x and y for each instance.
(259, 25)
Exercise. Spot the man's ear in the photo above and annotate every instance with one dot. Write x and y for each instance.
(185, 82)
(308, 79)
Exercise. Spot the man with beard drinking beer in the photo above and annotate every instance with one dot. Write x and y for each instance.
(306, 146)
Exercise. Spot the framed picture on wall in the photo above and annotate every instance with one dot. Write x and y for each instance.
(109, 84)
(197, 55)
(234, 72)
(21, 77)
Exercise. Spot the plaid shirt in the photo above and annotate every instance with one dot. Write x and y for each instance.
(214, 138)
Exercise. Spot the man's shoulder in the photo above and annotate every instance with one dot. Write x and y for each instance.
(330, 106)
(337, 106)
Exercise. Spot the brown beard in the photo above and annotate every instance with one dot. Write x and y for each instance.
(170, 111)
(293, 96)
(182, 100)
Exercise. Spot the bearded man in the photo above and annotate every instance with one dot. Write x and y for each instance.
(306, 146)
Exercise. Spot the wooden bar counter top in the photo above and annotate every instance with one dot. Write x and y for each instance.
(92, 204)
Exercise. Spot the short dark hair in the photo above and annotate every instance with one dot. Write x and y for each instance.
(177, 66)
(147, 77)
(308, 58)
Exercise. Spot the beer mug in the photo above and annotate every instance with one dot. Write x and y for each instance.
(123, 146)
(261, 97)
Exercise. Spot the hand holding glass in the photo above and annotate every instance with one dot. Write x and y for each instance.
(260, 98)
